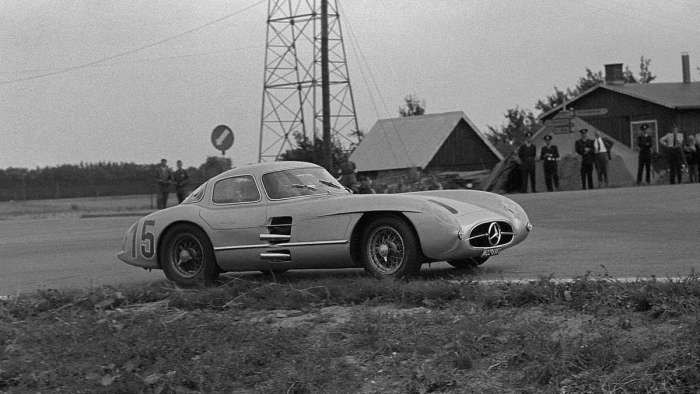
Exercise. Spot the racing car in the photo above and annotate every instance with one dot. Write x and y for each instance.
(283, 215)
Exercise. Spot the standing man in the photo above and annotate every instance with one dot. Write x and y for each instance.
(645, 144)
(347, 175)
(181, 179)
(163, 180)
(527, 154)
(584, 147)
(549, 154)
(674, 153)
(602, 148)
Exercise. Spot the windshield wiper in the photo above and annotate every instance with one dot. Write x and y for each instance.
(331, 184)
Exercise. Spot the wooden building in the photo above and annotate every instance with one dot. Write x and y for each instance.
(436, 143)
(619, 109)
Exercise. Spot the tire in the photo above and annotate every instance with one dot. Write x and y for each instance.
(390, 248)
(189, 243)
(468, 262)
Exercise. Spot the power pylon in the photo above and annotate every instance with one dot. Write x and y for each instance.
(292, 99)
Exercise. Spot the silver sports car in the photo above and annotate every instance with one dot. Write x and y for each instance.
(277, 216)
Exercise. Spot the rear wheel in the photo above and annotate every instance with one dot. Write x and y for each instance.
(468, 262)
(390, 248)
(187, 257)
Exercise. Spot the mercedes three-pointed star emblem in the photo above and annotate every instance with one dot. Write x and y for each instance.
(494, 234)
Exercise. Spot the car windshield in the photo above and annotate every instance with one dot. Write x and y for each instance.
(301, 182)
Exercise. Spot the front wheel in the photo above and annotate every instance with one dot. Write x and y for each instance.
(187, 257)
(467, 263)
(390, 248)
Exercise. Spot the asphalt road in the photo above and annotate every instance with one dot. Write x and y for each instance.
(626, 232)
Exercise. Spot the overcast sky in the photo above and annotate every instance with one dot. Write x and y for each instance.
(480, 57)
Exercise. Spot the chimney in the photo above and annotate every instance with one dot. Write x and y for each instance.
(613, 74)
(685, 60)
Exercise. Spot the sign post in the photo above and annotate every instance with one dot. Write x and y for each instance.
(222, 138)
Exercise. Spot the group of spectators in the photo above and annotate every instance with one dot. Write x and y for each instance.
(682, 154)
(595, 153)
(165, 178)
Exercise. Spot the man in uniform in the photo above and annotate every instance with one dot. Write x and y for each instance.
(163, 180)
(645, 145)
(584, 147)
(673, 142)
(181, 179)
(549, 154)
(527, 153)
(602, 148)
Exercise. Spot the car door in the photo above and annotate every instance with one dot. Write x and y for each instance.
(237, 215)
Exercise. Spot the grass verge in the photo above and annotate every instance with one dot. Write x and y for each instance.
(355, 334)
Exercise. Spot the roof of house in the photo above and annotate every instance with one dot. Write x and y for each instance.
(674, 95)
(409, 141)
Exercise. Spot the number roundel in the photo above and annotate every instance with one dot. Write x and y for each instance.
(148, 239)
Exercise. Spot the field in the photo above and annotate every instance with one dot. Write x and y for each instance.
(350, 333)
(79, 206)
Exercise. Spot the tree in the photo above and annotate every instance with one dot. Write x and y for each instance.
(310, 150)
(413, 107)
(645, 75)
(512, 133)
(590, 80)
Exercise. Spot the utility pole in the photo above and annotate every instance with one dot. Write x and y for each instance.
(325, 88)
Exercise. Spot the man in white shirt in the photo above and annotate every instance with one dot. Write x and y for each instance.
(673, 142)
(601, 148)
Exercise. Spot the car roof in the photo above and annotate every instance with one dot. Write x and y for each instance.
(259, 169)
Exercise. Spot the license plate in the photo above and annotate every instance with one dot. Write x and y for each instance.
(490, 252)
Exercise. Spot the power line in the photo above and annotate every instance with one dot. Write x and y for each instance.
(362, 58)
(142, 60)
(134, 50)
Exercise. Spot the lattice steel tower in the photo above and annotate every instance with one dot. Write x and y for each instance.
(293, 78)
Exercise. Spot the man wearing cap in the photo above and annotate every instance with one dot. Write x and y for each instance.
(527, 154)
(602, 147)
(549, 154)
(673, 142)
(584, 147)
(163, 180)
(645, 144)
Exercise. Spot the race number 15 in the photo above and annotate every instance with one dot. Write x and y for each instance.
(148, 239)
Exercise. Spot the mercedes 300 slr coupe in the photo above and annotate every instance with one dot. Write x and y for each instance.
(273, 217)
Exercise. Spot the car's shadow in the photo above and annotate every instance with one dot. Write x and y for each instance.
(428, 272)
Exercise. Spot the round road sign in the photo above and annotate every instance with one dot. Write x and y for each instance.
(222, 138)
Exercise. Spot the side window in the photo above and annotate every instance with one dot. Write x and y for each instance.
(235, 190)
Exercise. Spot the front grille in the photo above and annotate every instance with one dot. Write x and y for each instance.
(481, 238)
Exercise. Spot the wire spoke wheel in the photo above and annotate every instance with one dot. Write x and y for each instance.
(386, 249)
(187, 256)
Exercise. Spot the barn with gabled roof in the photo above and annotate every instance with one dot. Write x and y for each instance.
(436, 143)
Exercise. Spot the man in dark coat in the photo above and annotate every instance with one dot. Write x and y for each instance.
(549, 154)
(645, 145)
(527, 153)
(163, 181)
(584, 147)
(181, 179)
